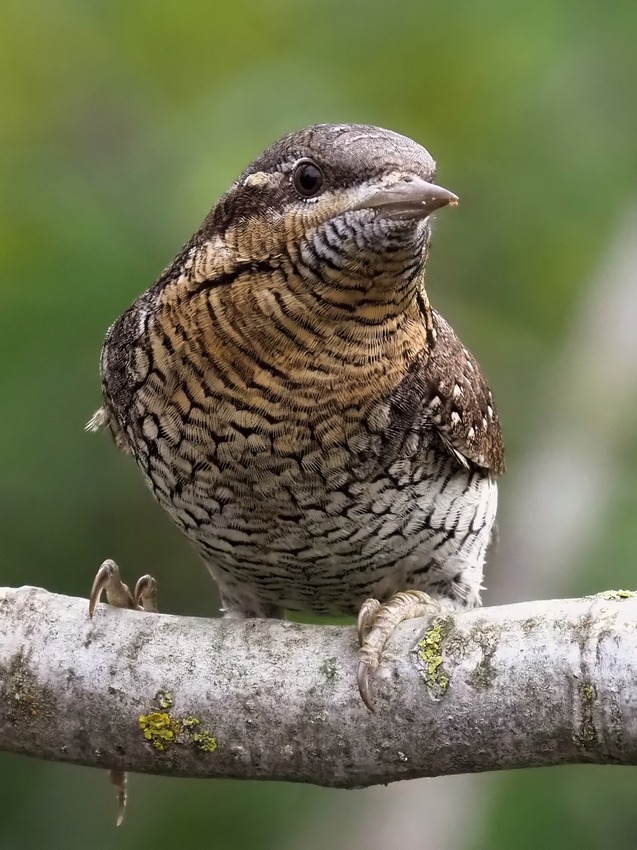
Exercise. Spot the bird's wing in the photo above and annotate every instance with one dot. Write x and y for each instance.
(445, 390)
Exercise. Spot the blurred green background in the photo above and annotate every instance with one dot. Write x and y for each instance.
(121, 123)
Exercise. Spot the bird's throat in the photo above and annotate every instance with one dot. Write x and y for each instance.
(256, 335)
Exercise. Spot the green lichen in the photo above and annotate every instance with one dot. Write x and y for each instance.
(430, 655)
(202, 739)
(164, 699)
(484, 673)
(329, 668)
(586, 735)
(159, 728)
(163, 730)
(205, 742)
(25, 698)
(616, 595)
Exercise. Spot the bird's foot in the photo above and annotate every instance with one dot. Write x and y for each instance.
(108, 580)
(377, 621)
(143, 598)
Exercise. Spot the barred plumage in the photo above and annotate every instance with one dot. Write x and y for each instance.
(315, 428)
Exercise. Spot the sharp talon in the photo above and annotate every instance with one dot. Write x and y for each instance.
(145, 595)
(362, 677)
(108, 580)
(106, 573)
(91, 605)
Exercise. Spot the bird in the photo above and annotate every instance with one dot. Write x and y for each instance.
(311, 423)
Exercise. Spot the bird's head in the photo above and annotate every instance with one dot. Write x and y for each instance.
(348, 202)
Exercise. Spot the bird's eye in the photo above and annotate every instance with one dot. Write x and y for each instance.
(307, 178)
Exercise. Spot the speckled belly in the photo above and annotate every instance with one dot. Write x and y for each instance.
(276, 535)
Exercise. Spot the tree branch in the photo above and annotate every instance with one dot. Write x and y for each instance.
(538, 683)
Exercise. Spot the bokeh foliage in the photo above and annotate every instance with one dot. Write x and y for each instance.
(121, 123)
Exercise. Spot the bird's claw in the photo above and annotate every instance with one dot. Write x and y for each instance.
(363, 677)
(145, 595)
(144, 598)
(376, 622)
(108, 580)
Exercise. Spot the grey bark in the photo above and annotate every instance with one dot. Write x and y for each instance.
(537, 683)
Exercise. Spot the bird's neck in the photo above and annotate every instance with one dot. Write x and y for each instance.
(289, 315)
(371, 271)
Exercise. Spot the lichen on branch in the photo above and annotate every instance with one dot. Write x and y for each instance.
(548, 682)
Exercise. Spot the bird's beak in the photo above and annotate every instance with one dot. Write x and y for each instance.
(409, 197)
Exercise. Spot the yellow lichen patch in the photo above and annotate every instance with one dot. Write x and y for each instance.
(430, 654)
(162, 730)
(204, 742)
(617, 595)
(202, 739)
(588, 692)
(159, 728)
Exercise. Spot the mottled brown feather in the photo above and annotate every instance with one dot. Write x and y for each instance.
(316, 429)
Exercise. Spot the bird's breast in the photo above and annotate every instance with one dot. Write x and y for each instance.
(290, 467)
(245, 386)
